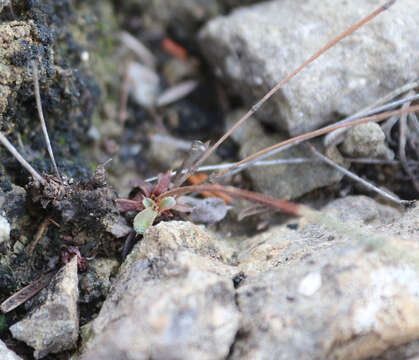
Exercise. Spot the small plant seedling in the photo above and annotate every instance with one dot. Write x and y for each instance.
(150, 203)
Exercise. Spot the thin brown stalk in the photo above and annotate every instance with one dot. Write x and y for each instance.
(41, 117)
(269, 151)
(271, 92)
(335, 137)
(356, 177)
(8, 145)
(40, 232)
(284, 205)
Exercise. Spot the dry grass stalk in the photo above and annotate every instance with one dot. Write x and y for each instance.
(272, 150)
(356, 177)
(8, 145)
(41, 117)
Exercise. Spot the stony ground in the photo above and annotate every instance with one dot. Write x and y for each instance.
(138, 81)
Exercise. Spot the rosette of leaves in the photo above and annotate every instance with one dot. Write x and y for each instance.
(151, 203)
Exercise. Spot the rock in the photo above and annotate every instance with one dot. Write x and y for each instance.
(3, 4)
(366, 140)
(5, 353)
(362, 307)
(4, 232)
(175, 235)
(281, 245)
(173, 298)
(95, 283)
(305, 291)
(143, 85)
(319, 295)
(288, 181)
(14, 202)
(205, 211)
(255, 47)
(53, 327)
(362, 209)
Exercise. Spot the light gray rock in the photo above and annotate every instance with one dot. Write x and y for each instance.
(314, 293)
(281, 245)
(143, 85)
(205, 211)
(53, 327)
(366, 140)
(4, 231)
(172, 300)
(3, 4)
(359, 208)
(287, 181)
(5, 353)
(255, 47)
(356, 307)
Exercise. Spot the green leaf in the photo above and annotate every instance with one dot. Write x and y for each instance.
(144, 219)
(167, 203)
(147, 202)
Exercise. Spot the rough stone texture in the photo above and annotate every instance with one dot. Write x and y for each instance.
(4, 231)
(53, 327)
(281, 245)
(309, 291)
(95, 283)
(288, 181)
(366, 140)
(15, 37)
(362, 209)
(315, 294)
(362, 306)
(256, 47)
(174, 299)
(5, 353)
(175, 235)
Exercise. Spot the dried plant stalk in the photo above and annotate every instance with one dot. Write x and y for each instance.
(8, 145)
(41, 117)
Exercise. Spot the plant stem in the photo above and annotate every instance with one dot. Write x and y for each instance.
(41, 117)
(8, 145)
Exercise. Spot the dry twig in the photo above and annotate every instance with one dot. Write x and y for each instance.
(41, 117)
(38, 178)
(356, 177)
(274, 149)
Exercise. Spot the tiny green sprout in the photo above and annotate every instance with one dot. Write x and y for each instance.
(167, 203)
(151, 203)
(147, 202)
(144, 219)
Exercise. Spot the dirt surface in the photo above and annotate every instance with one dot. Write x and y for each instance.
(85, 53)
